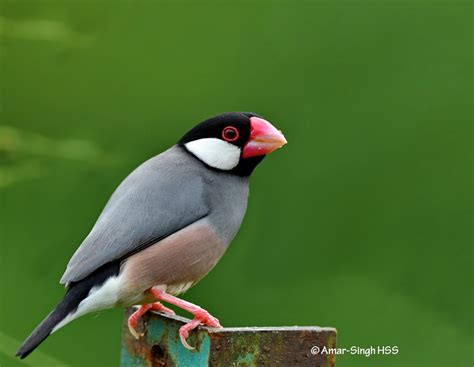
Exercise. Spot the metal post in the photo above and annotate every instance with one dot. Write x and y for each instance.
(245, 346)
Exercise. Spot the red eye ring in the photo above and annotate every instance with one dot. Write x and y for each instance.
(230, 133)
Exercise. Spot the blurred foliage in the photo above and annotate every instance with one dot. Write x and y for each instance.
(362, 222)
(40, 30)
(24, 155)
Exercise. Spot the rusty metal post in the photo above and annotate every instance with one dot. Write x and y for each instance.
(246, 346)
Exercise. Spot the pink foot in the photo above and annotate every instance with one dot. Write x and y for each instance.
(134, 317)
(201, 316)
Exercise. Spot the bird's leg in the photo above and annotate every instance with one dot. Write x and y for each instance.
(201, 316)
(134, 317)
(157, 306)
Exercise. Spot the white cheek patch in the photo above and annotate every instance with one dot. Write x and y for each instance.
(215, 152)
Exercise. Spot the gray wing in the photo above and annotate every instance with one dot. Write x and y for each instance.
(162, 196)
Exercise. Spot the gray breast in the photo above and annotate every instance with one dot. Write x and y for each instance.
(226, 196)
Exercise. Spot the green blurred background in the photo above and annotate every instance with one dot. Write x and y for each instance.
(362, 222)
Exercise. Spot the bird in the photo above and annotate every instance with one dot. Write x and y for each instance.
(165, 227)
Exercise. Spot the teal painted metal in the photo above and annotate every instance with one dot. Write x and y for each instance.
(166, 333)
(278, 346)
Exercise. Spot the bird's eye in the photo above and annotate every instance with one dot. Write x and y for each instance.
(230, 133)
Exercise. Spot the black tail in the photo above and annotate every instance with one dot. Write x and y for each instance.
(42, 331)
(76, 292)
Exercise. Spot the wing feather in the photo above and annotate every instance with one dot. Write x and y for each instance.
(162, 196)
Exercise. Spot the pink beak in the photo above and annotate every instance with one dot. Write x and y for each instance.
(264, 138)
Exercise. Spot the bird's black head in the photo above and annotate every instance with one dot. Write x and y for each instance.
(234, 142)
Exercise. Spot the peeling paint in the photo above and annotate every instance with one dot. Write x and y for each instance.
(243, 347)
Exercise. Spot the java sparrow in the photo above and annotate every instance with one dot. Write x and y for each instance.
(166, 226)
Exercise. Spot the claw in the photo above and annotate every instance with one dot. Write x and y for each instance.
(200, 317)
(133, 320)
(183, 335)
(185, 329)
(134, 332)
(185, 343)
